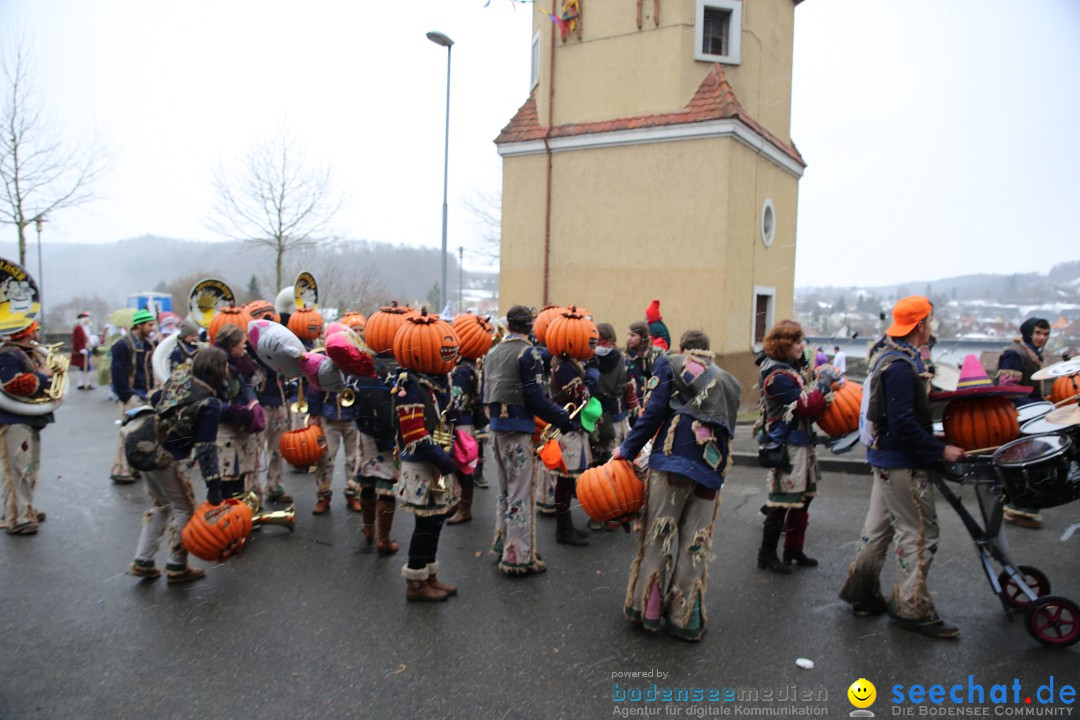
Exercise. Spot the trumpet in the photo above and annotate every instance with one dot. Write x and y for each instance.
(550, 432)
(285, 518)
(348, 397)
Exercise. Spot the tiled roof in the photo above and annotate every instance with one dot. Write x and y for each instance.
(714, 100)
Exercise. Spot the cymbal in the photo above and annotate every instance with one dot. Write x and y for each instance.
(1068, 415)
(1061, 369)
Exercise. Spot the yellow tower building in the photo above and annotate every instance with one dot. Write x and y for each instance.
(653, 160)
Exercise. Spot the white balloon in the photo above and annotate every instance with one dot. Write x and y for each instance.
(276, 346)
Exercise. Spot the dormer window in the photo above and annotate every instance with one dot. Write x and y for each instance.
(717, 30)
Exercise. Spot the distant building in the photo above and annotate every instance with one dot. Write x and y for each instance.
(653, 159)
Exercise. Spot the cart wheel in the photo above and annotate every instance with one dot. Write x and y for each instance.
(1033, 578)
(1053, 620)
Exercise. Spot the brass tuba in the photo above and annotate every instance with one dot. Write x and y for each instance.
(20, 306)
(285, 518)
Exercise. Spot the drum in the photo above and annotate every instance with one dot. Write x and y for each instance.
(1040, 426)
(1036, 473)
(1033, 411)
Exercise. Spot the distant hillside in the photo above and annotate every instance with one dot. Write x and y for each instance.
(1062, 282)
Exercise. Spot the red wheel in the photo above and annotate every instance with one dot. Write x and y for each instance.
(1033, 578)
(1053, 620)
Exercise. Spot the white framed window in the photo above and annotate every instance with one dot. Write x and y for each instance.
(717, 31)
(534, 67)
(764, 312)
(768, 223)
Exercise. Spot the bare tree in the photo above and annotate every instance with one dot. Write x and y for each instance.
(275, 200)
(38, 175)
(487, 219)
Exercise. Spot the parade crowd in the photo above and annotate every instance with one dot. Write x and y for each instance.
(413, 427)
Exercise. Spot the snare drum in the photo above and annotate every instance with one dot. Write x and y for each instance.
(1039, 426)
(1033, 411)
(1036, 471)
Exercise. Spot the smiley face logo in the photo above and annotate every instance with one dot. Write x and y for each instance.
(862, 693)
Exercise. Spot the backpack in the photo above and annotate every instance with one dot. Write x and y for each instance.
(142, 446)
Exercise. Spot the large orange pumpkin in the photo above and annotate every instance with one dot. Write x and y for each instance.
(475, 333)
(981, 422)
(842, 416)
(572, 334)
(354, 320)
(426, 344)
(610, 491)
(216, 532)
(383, 325)
(543, 319)
(262, 310)
(306, 323)
(303, 447)
(1065, 388)
(228, 315)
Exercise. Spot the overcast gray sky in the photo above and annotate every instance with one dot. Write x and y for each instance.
(941, 135)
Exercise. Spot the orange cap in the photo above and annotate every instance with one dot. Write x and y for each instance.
(907, 313)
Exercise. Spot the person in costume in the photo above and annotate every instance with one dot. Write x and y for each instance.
(427, 486)
(467, 414)
(339, 428)
(378, 469)
(273, 398)
(23, 376)
(641, 354)
(791, 402)
(615, 391)
(691, 411)
(513, 391)
(187, 344)
(1018, 362)
(132, 381)
(902, 500)
(573, 382)
(82, 348)
(242, 418)
(188, 409)
(657, 329)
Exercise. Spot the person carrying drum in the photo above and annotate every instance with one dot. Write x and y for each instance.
(1018, 362)
(902, 497)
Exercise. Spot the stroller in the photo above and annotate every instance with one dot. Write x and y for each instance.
(1038, 471)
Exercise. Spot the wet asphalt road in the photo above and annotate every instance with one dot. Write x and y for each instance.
(311, 625)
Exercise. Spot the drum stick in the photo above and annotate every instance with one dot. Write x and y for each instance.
(1067, 400)
(979, 451)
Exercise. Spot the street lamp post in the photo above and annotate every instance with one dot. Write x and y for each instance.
(440, 39)
(40, 278)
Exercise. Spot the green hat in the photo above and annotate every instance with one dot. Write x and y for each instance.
(140, 317)
(590, 414)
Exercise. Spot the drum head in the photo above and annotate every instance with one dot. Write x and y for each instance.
(1031, 450)
(1033, 411)
(1041, 426)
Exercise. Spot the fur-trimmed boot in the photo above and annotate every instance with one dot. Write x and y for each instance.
(433, 569)
(384, 515)
(565, 532)
(794, 535)
(464, 508)
(417, 588)
(770, 538)
(367, 507)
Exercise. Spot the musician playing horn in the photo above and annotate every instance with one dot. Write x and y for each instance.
(22, 375)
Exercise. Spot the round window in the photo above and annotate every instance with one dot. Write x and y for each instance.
(768, 223)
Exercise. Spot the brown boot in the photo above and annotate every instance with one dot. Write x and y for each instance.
(323, 505)
(353, 504)
(417, 588)
(367, 507)
(433, 581)
(384, 516)
(464, 508)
